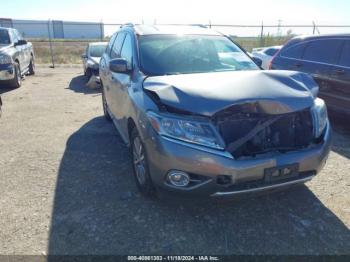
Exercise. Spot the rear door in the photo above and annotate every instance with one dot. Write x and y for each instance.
(318, 58)
(290, 57)
(338, 95)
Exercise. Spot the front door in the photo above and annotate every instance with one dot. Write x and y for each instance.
(122, 82)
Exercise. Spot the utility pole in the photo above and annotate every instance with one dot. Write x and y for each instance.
(50, 41)
(279, 31)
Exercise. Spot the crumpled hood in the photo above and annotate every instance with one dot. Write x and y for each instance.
(275, 91)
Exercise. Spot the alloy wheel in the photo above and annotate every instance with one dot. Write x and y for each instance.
(139, 160)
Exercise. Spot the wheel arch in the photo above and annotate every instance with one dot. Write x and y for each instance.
(131, 126)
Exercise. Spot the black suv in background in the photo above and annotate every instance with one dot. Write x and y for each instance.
(327, 59)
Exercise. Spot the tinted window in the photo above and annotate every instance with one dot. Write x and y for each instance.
(110, 44)
(324, 51)
(271, 51)
(127, 49)
(181, 54)
(345, 55)
(294, 51)
(4, 37)
(117, 45)
(97, 50)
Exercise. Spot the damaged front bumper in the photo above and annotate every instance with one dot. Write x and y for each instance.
(208, 167)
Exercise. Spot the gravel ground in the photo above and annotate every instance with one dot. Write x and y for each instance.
(67, 188)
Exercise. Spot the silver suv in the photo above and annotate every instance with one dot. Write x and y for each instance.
(201, 118)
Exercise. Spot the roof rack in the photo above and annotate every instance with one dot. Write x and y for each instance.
(127, 24)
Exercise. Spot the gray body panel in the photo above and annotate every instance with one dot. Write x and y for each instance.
(204, 94)
(207, 93)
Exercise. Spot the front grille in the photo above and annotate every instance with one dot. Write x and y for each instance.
(281, 133)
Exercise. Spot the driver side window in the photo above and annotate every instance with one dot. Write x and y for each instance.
(126, 52)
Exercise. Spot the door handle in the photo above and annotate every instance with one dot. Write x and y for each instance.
(298, 65)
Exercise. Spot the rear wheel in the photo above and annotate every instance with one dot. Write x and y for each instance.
(104, 104)
(17, 80)
(140, 165)
(31, 66)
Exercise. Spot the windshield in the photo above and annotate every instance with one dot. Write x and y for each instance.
(4, 37)
(97, 50)
(185, 54)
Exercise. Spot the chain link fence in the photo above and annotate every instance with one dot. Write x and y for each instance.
(63, 42)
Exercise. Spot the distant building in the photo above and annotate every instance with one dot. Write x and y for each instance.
(55, 28)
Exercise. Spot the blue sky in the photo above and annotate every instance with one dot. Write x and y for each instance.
(182, 11)
(333, 12)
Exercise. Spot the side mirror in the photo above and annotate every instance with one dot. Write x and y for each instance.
(83, 56)
(257, 61)
(119, 65)
(21, 42)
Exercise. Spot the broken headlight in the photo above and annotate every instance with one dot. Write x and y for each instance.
(192, 131)
(320, 116)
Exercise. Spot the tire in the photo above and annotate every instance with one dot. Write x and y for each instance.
(105, 105)
(31, 66)
(88, 73)
(140, 165)
(17, 81)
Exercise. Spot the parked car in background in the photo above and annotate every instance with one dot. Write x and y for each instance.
(91, 58)
(265, 54)
(16, 57)
(327, 59)
(202, 118)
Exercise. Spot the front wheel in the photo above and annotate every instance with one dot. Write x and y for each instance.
(88, 73)
(17, 81)
(140, 165)
(105, 105)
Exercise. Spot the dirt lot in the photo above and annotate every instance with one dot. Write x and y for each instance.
(66, 188)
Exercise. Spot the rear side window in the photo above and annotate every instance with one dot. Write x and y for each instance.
(324, 51)
(117, 45)
(271, 51)
(345, 55)
(294, 51)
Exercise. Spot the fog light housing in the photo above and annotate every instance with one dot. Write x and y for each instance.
(178, 178)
